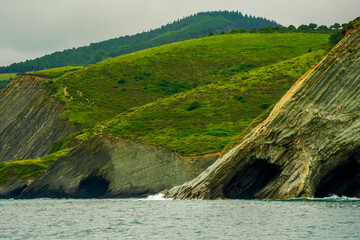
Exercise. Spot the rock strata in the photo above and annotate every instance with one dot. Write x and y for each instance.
(309, 146)
(108, 166)
(29, 122)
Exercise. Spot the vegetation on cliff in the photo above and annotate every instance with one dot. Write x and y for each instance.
(206, 118)
(28, 168)
(103, 90)
(307, 147)
(192, 97)
(5, 79)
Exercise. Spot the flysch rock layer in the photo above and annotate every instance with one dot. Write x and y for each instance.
(309, 146)
(29, 122)
(108, 166)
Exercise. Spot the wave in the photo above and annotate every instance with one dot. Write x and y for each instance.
(332, 198)
(159, 196)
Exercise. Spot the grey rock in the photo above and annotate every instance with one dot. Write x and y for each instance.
(309, 146)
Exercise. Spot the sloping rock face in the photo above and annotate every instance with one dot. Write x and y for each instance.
(29, 123)
(108, 166)
(309, 146)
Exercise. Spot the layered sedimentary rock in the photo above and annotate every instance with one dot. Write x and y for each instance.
(309, 146)
(108, 166)
(103, 166)
(29, 121)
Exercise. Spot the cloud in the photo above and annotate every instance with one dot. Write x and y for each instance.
(29, 29)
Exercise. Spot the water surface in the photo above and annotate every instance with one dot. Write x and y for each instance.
(337, 218)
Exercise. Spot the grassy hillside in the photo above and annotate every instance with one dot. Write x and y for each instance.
(56, 72)
(187, 28)
(207, 118)
(29, 168)
(193, 97)
(103, 90)
(5, 78)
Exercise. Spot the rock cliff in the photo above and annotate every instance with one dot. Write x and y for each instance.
(309, 146)
(29, 123)
(108, 166)
(103, 166)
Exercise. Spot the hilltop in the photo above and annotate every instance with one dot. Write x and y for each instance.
(190, 27)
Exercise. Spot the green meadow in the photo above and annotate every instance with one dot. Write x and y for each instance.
(101, 91)
(207, 118)
(5, 78)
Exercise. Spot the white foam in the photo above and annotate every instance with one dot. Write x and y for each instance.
(342, 198)
(159, 196)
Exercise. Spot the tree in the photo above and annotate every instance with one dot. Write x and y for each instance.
(253, 30)
(303, 27)
(238, 31)
(336, 26)
(98, 56)
(267, 29)
(334, 38)
(313, 26)
(291, 28)
(323, 28)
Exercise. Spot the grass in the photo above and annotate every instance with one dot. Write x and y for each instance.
(101, 91)
(207, 118)
(30, 168)
(56, 72)
(5, 79)
(7, 76)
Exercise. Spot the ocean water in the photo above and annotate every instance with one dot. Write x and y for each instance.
(153, 218)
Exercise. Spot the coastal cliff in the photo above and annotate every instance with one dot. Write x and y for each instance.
(309, 146)
(29, 121)
(102, 166)
(108, 166)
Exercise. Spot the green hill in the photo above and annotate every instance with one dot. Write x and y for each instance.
(193, 97)
(207, 118)
(187, 28)
(103, 90)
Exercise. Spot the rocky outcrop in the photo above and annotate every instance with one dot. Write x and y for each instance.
(29, 121)
(309, 146)
(108, 166)
(17, 96)
(13, 188)
(104, 166)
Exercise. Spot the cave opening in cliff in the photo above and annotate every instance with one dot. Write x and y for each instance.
(344, 180)
(93, 187)
(246, 183)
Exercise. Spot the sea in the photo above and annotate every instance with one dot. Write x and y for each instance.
(158, 218)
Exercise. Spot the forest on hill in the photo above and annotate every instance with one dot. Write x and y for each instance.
(190, 27)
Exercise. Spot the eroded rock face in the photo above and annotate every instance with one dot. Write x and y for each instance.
(108, 166)
(29, 123)
(308, 146)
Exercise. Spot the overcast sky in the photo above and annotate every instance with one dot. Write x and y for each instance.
(32, 28)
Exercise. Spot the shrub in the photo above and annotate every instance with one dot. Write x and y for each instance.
(240, 98)
(193, 106)
(121, 81)
(334, 38)
(264, 105)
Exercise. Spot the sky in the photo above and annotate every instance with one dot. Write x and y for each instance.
(33, 28)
